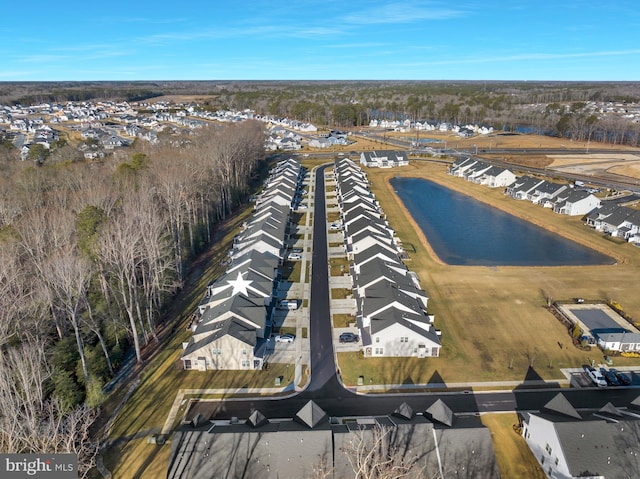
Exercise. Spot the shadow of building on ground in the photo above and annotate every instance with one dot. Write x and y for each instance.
(436, 381)
(533, 380)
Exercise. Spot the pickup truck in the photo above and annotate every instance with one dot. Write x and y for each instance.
(595, 376)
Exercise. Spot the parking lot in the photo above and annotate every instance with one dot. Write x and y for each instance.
(580, 379)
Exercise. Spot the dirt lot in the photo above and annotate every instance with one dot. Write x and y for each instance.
(624, 164)
(493, 319)
(516, 140)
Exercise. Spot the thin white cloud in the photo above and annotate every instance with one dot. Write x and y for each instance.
(17, 74)
(526, 57)
(402, 12)
(255, 31)
(88, 54)
(144, 20)
(349, 46)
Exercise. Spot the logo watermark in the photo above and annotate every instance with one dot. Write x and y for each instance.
(47, 466)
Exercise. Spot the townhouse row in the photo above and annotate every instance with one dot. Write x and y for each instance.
(234, 317)
(391, 306)
(608, 216)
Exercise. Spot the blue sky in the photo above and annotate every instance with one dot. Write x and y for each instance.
(321, 40)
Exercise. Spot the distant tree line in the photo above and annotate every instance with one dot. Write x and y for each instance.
(545, 108)
(86, 94)
(550, 108)
(90, 256)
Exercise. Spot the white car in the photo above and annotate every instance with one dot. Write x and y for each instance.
(294, 257)
(284, 338)
(290, 304)
(595, 376)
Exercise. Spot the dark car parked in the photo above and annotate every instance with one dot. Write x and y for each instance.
(610, 377)
(349, 338)
(623, 379)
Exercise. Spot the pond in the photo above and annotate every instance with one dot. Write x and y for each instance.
(464, 231)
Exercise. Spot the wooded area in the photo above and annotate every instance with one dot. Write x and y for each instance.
(91, 254)
(551, 108)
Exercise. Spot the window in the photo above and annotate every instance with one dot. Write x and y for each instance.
(548, 448)
(244, 352)
(557, 461)
(379, 350)
(245, 363)
(216, 351)
(377, 339)
(434, 352)
(404, 339)
(187, 363)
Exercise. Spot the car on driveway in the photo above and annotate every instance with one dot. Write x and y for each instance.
(348, 338)
(595, 376)
(610, 377)
(284, 338)
(294, 257)
(622, 378)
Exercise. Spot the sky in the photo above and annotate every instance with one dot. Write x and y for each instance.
(569, 40)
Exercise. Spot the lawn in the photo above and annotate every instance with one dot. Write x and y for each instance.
(340, 293)
(341, 320)
(493, 320)
(514, 457)
(337, 266)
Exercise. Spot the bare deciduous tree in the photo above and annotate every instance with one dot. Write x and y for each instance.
(68, 275)
(373, 453)
(31, 423)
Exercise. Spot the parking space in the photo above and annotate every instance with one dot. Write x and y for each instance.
(626, 376)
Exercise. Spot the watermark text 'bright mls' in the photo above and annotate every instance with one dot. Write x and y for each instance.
(47, 466)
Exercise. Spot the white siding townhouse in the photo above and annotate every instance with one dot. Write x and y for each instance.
(576, 203)
(603, 443)
(384, 159)
(391, 307)
(481, 173)
(235, 313)
(618, 221)
(497, 177)
(520, 189)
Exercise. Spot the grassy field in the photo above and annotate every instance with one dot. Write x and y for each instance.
(514, 458)
(493, 320)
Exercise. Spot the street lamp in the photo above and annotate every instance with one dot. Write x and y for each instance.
(476, 147)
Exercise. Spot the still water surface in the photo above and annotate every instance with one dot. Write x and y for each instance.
(464, 231)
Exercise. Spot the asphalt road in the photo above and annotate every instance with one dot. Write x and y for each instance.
(328, 392)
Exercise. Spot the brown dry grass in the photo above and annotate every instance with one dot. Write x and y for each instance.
(514, 457)
(494, 317)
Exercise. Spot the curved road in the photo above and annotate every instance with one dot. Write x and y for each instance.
(328, 392)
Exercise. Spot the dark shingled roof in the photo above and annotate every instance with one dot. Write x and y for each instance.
(311, 415)
(441, 413)
(257, 419)
(404, 411)
(561, 405)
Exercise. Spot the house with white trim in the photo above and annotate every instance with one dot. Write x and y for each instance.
(600, 443)
(384, 159)
(576, 203)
